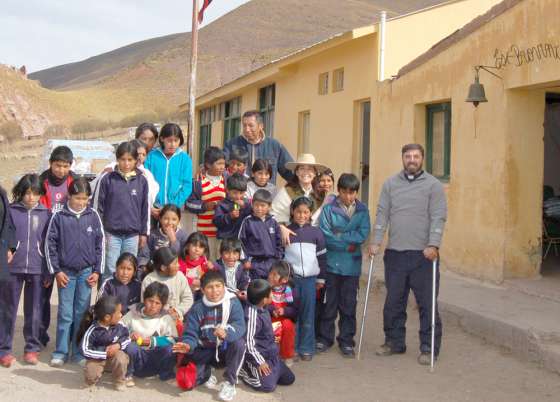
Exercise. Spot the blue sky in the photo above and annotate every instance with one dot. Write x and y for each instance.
(46, 33)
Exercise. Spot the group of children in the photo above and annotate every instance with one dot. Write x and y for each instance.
(175, 305)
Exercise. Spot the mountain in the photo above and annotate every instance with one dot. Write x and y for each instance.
(153, 74)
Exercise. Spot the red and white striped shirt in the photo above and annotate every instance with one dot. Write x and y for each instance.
(210, 193)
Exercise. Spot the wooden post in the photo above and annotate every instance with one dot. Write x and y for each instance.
(192, 87)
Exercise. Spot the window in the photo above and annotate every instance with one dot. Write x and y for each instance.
(206, 117)
(323, 83)
(338, 80)
(304, 130)
(438, 140)
(231, 112)
(267, 101)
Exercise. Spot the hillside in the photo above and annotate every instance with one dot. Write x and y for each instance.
(155, 72)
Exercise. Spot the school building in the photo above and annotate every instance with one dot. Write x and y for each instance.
(354, 99)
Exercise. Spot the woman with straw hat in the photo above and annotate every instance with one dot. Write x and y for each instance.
(305, 169)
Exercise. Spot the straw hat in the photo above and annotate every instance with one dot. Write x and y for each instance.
(305, 159)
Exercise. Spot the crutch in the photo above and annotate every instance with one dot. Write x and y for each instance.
(434, 267)
(365, 307)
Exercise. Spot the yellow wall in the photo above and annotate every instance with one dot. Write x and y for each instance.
(495, 190)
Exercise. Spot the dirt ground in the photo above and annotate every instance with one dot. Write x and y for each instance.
(468, 370)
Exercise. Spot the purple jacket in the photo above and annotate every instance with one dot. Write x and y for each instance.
(228, 227)
(261, 242)
(157, 240)
(261, 347)
(75, 241)
(127, 295)
(241, 276)
(123, 204)
(31, 229)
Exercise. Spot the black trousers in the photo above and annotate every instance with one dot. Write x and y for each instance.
(341, 298)
(406, 270)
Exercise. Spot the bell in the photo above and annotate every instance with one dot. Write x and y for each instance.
(476, 93)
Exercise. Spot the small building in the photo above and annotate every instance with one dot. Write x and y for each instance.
(495, 158)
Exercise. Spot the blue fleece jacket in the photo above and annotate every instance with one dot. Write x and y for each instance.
(341, 232)
(75, 241)
(174, 176)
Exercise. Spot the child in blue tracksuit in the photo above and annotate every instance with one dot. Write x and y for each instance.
(121, 198)
(231, 268)
(307, 253)
(103, 340)
(213, 333)
(260, 237)
(262, 370)
(231, 211)
(345, 223)
(27, 268)
(75, 252)
(171, 167)
(123, 285)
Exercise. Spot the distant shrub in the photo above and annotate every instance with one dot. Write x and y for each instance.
(90, 125)
(11, 130)
(138, 118)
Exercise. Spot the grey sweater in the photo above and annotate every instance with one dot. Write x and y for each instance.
(415, 212)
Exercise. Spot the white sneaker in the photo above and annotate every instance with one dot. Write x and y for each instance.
(212, 383)
(227, 392)
(289, 362)
(57, 362)
(129, 382)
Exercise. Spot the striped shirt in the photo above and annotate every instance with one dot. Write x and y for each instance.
(212, 191)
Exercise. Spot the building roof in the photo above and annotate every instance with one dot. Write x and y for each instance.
(459, 35)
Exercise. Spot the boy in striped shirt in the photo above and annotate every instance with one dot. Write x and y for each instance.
(207, 192)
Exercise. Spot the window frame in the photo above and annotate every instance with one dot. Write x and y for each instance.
(339, 72)
(205, 131)
(431, 109)
(323, 84)
(267, 104)
(231, 115)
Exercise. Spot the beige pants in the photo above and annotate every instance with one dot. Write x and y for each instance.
(214, 248)
(117, 365)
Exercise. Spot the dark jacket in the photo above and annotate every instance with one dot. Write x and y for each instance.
(123, 204)
(97, 338)
(201, 321)
(307, 251)
(270, 149)
(262, 242)
(228, 227)
(261, 347)
(127, 295)
(7, 235)
(75, 241)
(31, 228)
(241, 277)
(157, 240)
(48, 180)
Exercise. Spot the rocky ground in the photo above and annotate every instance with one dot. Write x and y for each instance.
(468, 370)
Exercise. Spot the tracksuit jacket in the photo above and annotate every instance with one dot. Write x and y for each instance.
(123, 204)
(127, 295)
(201, 321)
(31, 229)
(228, 227)
(156, 240)
(307, 251)
(75, 241)
(97, 338)
(7, 235)
(342, 231)
(261, 347)
(262, 243)
(268, 148)
(174, 176)
(241, 276)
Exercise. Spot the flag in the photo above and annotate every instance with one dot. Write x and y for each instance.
(201, 12)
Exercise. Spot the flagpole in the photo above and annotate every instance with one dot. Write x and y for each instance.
(192, 87)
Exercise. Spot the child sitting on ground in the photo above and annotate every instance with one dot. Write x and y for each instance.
(103, 340)
(123, 285)
(207, 192)
(213, 333)
(234, 275)
(261, 172)
(262, 370)
(165, 269)
(193, 262)
(167, 234)
(152, 331)
(231, 211)
(283, 309)
(260, 237)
